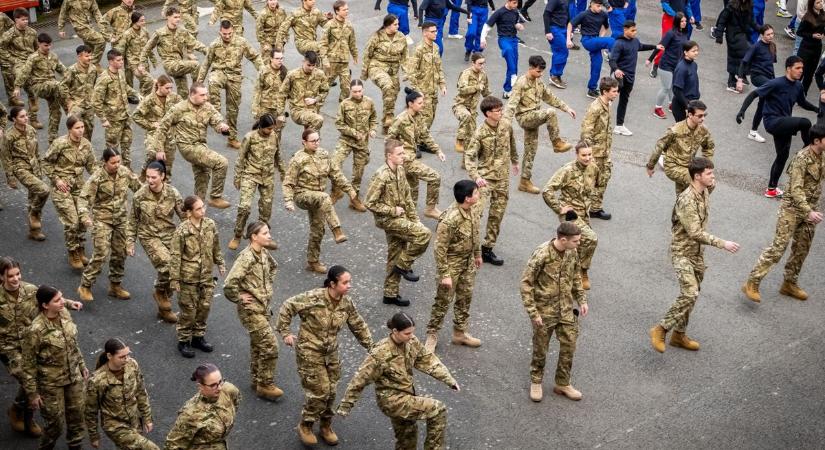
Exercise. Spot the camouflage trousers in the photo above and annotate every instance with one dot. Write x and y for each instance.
(169, 150)
(65, 203)
(405, 410)
(360, 159)
(494, 195)
(789, 225)
(91, 38)
(179, 70)
(589, 239)
(190, 22)
(106, 237)
(145, 81)
(690, 272)
(87, 115)
(319, 377)
(463, 274)
(417, 170)
(59, 403)
(194, 301)
(231, 85)
(38, 191)
(319, 207)
(466, 123)
(679, 175)
(307, 118)
(428, 110)
(157, 250)
(119, 135)
(263, 358)
(305, 45)
(605, 166)
(385, 77)
(530, 123)
(205, 162)
(341, 72)
(128, 437)
(246, 194)
(566, 333)
(13, 360)
(9, 71)
(54, 94)
(406, 241)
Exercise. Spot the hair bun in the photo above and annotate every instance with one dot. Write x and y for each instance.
(408, 90)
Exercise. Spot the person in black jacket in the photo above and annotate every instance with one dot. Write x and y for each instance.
(435, 11)
(758, 63)
(623, 58)
(685, 80)
(735, 23)
(812, 31)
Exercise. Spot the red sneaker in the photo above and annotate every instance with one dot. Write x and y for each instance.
(659, 112)
(773, 192)
(670, 107)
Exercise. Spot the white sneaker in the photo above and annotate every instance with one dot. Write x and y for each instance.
(455, 36)
(621, 129)
(755, 136)
(661, 162)
(409, 40)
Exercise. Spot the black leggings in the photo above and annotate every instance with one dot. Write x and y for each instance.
(526, 5)
(756, 81)
(624, 96)
(679, 109)
(783, 130)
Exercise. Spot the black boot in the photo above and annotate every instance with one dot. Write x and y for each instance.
(333, 83)
(397, 300)
(488, 256)
(408, 275)
(200, 343)
(600, 214)
(466, 56)
(185, 349)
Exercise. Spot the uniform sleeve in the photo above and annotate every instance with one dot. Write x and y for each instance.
(25, 72)
(579, 294)
(427, 362)
(87, 198)
(232, 283)
(175, 250)
(428, 140)
(708, 146)
(323, 89)
(688, 215)
(30, 347)
(248, 6)
(339, 180)
(146, 53)
(61, 18)
(444, 234)
(528, 281)
(471, 156)
(551, 99)
(207, 64)
(288, 183)
(464, 85)
(143, 399)
(513, 149)
(132, 222)
(373, 120)
(375, 192)
(359, 328)
(513, 102)
(50, 159)
(365, 64)
(549, 192)
(140, 116)
(193, 43)
(367, 373)
(240, 163)
(324, 41)
(662, 144)
(796, 188)
(183, 432)
(217, 253)
(252, 55)
(287, 311)
(353, 49)
(283, 30)
(341, 124)
(99, 96)
(260, 22)
(588, 127)
(92, 409)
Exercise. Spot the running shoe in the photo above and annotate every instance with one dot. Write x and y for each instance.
(455, 36)
(755, 136)
(592, 93)
(783, 13)
(524, 15)
(521, 41)
(506, 95)
(790, 32)
(773, 192)
(558, 82)
(622, 130)
(659, 112)
(732, 89)
(698, 26)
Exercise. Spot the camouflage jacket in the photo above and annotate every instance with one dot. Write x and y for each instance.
(424, 69)
(680, 144)
(17, 310)
(5, 25)
(411, 131)
(489, 151)
(267, 25)
(172, 45)
(117, 20)
(232, 10)
(385, 52)
(338, 42)
(689, 222)
(110, 98)
(120, 402)
(527, 95)
(253, 273)
(104, 197)
(19, 151)
(66, 161)
(204, 423)
(575, 185)
(805, 182)
(80, 14)
(303, 23)
(596, 129)
(356, 117)
(37, 69)
(267, 90)
(152, 109)
(457, 241)
(79, 83)
(18, 45)
(389, 366)
(186, 123)
(310, 171)
(51, 356)
(227, 57)
(299, 85)
(388, 189)
(194, 252)
(258, 158)
(321, 321)
(550, 283)
(131, 44)
(153, 215)
(472, 87)
(185, 7)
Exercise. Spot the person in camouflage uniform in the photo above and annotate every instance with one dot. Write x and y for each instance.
(304, 23)
(80, 14)
(425, 74)
(472, 86)
(457, 258)
(550, 283)
(232, 10)
(268, 88)
(185, 126)
(195, 250)
(680, 144)
(254, 170)
(491, 147)
(54, 370)
(131, 44)
(16, 44)
(571, 189)
(6, 23)
(690, 220)
(389, 365)
(79, 83)
(38, 73)
(598, 133)
(117, 20)
(267, 25)
(148, 115)
(206, 419)
(250, 286)
(102, 205)
(111, 99)
(797, 220)
(154, 207)
(384, 58)
(389, 200)
(21, 161)
(225, 57)
(63, 165)
(356, 121)
(306, 89)
(116, 397)
(337, 46)
(323, 313)
(304, 186)
(189, 14)
(412, 132)
(175, 47)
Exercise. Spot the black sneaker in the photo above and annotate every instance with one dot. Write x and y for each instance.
(654, 71)
(333, 83)
(600, 214)
(185, 349)
(200, 343)
(592, 93)
(488, 256)
(408, 275)
(521, 41)
(524, 14)
(466, 56)
(698, 26)
(397, 300)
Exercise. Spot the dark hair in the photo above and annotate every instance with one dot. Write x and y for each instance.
(567, 229)
(463, 189)
(276, 49)
(82, 49)
(356, 82)
(476, 56)
(202, 371)
(45, 294)
(537, 61)
(628, 24)
(689, 45)
(389, 19)
(265, 121)
(111, 347)
(255, 228)
(158, 165)
(21, 12)
(412, 95)
(696, 105)
(490, 103)
(189, 202)
(307, 133)
(136, 15)
(400, 321)
(162, 80)
(110, 153)
(607, 83)
(15, 111)
(581, 144)
(428, 24)
(334, 275)
(772, 46)
(677, 23)
(225, 24)
(338, 4)
(72, 120)
(6, 263)
(697, 165)
(172, 10)
(311, 57)
(195, 86)
(811, 16)
(391, 144)
(112, 54)
(791, 60)
(816, 132)
(44, 38)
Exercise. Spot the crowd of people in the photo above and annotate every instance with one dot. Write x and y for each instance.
(129, 197)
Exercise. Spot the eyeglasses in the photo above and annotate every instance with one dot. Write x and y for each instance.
(214, 385)
(700, 115)
(497, 110)
(312, 141)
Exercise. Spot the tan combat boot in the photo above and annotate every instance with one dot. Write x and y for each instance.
(387, 124)
(268, 392)
(32, 428)
(16, 101)
(339, 235)
(568, 391)
(792, 290)
(84, 293)
(271, 246)
(81, 252)
(432, 212)
(218, 202)
(117, 291)
(164, 307)
(464, 338)
(16, 419)
(585, 280)
(336, 195)
(525, 185)
(74, 260)
(357, 205)
(536, 393)
(234, 243)
(678, 339)
(36, 234)
(459, 146)
(751, 290)
(561, 146)
(306, 434)
(657, 338)
(327, 434)
(432, 342)
(233, 143)
(316, 267)
(34, 221)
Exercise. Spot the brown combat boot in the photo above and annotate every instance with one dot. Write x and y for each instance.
(34, 221)
(336, 195)
(459, 146)
(357, 205)
(36, 124)
(792, 290)
(339, 235)
(36, 234)
(164, 307)
(432, 212)
(74, 260)
(16, 101)
(327, 434)
(585, 280)
(678, 339)
(387, 124)
(117, 291)
(84, 293)
(271, 246)
(657, 338)
(32, 428)
(81, 252)
(218, 202)
(751, 290)
(234, 243)
(536, 392)
(464, 338)
(568, 391)
(233, 143)
(432, 342)
(268, 392)
(316, 267)
(525, 185)
(306, 434)
(561, 146)
(16, 419)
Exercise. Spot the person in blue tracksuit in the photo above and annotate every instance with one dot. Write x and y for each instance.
(616, 13)
(556, 17)
(594, 26)
(509, 23)
(435, 11)
(479, 14)
(401, 9)
(630, 13)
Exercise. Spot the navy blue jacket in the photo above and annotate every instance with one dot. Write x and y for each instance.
(437, 9)
(625, 55)
(400, 2)
(481, 4)
(672, 42)
(686, 79)
(506, 21)
(779, 95)
(591, 23)
(758, 61)
(557, 14)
